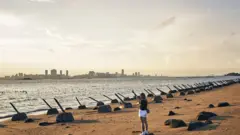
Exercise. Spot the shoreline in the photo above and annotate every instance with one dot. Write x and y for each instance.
(127, 121)
(122, 77)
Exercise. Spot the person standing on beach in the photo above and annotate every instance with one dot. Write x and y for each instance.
(143, 111)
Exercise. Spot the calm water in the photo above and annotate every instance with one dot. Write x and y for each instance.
(26, 95)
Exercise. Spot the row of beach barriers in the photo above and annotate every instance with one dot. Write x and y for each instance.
(183, 89)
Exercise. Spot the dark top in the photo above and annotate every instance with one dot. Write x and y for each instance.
(143, 105)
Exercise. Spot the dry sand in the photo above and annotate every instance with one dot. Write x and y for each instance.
(126, 122)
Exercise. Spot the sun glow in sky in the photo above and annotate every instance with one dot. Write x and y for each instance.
(169, 37)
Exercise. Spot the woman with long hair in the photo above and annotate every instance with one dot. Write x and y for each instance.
(143, 111)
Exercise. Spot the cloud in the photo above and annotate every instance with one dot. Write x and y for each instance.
(52, 34)
(50, 1)
(166, 23)
(10, 20)
(233, 34)
(51, 50)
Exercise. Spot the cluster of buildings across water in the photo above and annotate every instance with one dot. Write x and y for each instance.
(55, 75)
(93, 74)
(52, 75)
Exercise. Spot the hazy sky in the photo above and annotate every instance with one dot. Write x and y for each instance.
(169, 37)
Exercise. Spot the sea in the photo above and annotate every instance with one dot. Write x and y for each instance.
(27, 95)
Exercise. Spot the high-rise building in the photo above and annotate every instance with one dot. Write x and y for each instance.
(138, 73)
(107, 74)
(53, 72)
(66, 72)
(60, 72)
(20, 74)
(91, 73)
(122, 72)
(46, 72)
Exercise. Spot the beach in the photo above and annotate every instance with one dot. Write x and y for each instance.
(126, 121)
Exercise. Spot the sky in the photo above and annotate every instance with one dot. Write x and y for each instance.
(168, 37)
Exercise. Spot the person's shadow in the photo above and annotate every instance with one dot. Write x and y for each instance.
(2, 126)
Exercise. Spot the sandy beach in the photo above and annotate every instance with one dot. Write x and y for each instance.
(126, 121)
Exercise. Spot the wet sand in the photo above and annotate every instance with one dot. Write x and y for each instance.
(126, 122)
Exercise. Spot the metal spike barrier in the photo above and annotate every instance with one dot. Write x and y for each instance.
(47, 103)
(59, 105)
(93, 99)
(108, 97)
(14, 108)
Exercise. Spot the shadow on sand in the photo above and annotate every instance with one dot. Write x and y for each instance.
(84, 121)
(74, 122)
(209, 127)
(2, 126)
(124, 111)
(116, 112)
(139, 132)
(218, 118)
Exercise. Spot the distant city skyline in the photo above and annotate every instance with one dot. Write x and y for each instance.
(168, 37)
(119, 71)
(55, 74)
(58, 74)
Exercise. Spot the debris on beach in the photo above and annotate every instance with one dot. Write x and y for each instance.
(205, 115)
(175, 123)
(211, 106)
(177, 107)
(223, 104)
(171, 113)
(45, 124)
